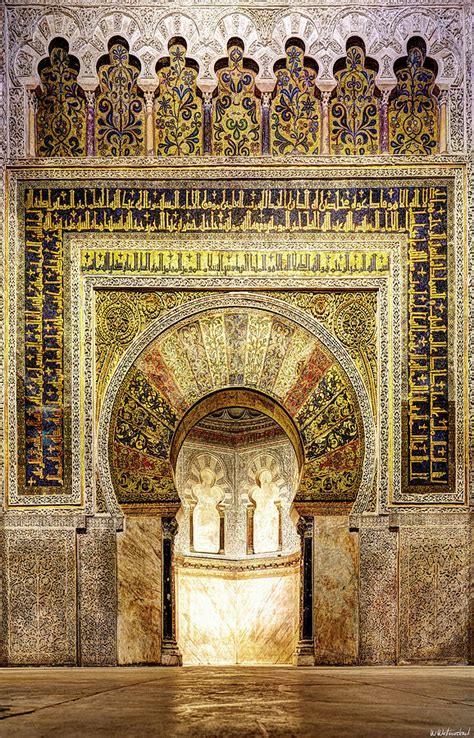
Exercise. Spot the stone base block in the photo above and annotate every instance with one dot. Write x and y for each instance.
(304, 654)
(170, 654)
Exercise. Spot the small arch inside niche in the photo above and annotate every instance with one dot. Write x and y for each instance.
(247, 63)
(369, 63)
(417, 42)
(309, 62)
(106, 58)
(165, 61)
(59, 43)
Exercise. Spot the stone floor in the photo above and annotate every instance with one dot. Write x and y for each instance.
(237, 701)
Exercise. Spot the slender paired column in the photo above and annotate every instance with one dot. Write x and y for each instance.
(384, 121)
(149, 126)
(325, 97)
(32, 110)
(90, 130)
(443, 121)
(266, 105)
(304, 654)
(207, 110)
(170, 653)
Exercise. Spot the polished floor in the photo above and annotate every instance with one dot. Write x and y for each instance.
(237, 701)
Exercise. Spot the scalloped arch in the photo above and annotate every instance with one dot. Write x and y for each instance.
(50, 26)
(148, 37)
(298, 25)
(177, 24)
(236, 25)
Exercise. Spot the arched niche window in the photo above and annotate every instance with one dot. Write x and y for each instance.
(120, 110)
(413, 105)
(354, 112)
(296, 109)
(265, 496)
(178, 104)
(236, 129)
(61, 114)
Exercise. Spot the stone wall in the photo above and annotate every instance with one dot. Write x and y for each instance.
(387, 589)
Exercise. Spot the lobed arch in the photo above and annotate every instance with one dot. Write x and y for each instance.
(233, 117)
(315, 361)
(206, 43)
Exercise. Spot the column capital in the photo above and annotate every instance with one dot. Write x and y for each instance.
(207, 99)
(90, 97)
(325, 97)
(385, 96)
(170, 527)
(443, 98)
(304, 526)
(149, 96)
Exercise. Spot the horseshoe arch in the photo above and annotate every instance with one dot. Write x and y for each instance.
(236, 343)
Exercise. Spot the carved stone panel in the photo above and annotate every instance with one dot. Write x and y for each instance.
(41, 596)
(97, 594)
(434, 581)
(378, 596)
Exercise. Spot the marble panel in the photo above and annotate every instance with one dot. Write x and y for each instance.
(471, 595)
(378, 596)
(335, 595)
(139, 590)
(267, 617)
(3, 598)
(206, 617)
(229, 617)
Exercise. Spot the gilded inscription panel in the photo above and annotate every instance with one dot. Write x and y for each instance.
(418, 211)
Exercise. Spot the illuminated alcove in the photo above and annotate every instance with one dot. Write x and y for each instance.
(237, 550)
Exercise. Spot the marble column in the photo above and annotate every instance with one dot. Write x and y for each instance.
(325, 97)
(170, 653)
(304, 653)
(266, 105)
(149, 103)
(90, 130)
(443, 121)
(207, 109)
(384, 121)
(32, 110)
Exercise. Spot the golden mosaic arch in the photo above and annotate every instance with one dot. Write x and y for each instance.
(246, 348)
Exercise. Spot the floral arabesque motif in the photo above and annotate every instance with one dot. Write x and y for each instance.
(236, 129)
(354, 111)
(296, 115)
(178, 116)
(61, 117)
(120, 115)
(413, 109)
